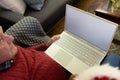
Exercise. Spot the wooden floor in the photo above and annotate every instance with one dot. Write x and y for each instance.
(59, 26)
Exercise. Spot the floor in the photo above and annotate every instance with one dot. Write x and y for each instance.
(59, 26)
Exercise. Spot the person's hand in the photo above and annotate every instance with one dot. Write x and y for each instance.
(73, 76)
(7, 48)
(53, 39)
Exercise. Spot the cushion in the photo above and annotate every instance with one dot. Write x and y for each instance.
(35, 4)
(17, 6)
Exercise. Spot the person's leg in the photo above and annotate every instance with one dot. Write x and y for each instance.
(113, 59)
(28, 32)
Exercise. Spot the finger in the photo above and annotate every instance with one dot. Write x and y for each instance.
(56, 37)
(1, 30)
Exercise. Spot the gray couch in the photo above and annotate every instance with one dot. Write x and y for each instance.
(51, 12)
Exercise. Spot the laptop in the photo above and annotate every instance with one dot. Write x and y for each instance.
(84, 42)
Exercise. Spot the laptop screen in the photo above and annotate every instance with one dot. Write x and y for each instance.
(89, 27)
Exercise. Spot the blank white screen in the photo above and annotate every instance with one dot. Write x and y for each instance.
(91, 28)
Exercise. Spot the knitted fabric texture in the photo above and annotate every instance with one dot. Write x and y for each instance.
(28, 32)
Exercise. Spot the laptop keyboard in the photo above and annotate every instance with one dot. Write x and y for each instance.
(80, 49)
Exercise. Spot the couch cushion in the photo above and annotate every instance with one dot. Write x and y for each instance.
(51, 12)
(35, 4)
(17, 6)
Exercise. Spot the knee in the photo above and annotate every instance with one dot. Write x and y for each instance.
(113, 55)
(113, 59)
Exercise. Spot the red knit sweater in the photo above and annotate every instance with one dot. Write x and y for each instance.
(33, 64)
